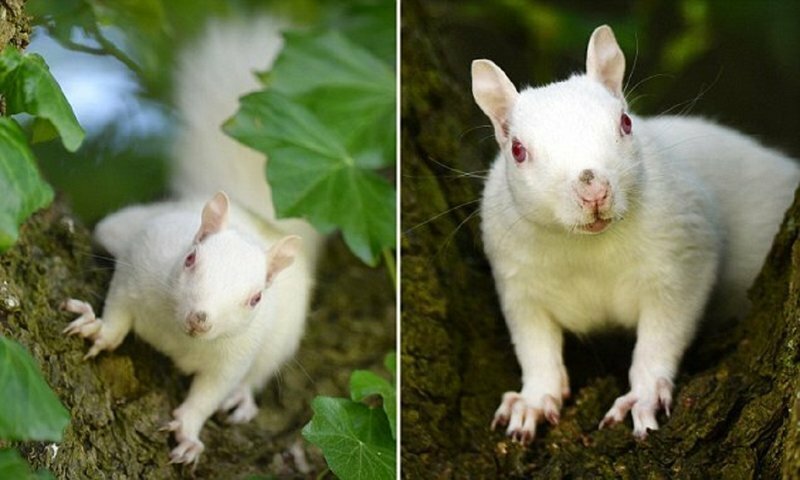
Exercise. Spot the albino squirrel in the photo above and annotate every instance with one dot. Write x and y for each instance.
(215, 283)
(592, 216)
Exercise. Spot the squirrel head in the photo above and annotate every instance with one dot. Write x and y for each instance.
(569, 148)
(223, 279)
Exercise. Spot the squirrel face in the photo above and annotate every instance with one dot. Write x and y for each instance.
(220, 283)
(221, 279)
(570, 156)
(569, 148)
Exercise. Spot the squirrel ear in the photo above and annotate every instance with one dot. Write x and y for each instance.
(495, 94)
(605, 61)
(215, 217)
(281, 255)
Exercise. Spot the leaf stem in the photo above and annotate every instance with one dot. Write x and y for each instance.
(388, 259)
(114, 51)
(323, 473)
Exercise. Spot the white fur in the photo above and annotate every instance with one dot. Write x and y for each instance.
(693, 206)
(240, 250)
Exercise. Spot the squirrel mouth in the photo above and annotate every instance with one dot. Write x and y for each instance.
(597, 226)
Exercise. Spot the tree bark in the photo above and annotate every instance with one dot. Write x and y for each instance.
(737, 401)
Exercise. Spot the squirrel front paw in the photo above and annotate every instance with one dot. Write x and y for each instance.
(189, 446)
(521, 413)
(643, 403)
(87, 326)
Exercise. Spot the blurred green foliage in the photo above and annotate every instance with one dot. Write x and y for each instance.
(31, 411)
(28, 88)
(115, 167)
(734, 61)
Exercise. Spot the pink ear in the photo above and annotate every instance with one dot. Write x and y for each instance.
(605, 61)
(281, 255)
(215, 217)
(495, 94)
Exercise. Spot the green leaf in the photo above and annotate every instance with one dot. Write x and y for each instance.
(12, 465)
(313, 174)
(28, 86)
(23, 191)
(390, 363)
(364, 383)
(350, 90)
(31, 411)
(355, 439)
(311, 60)
(371, 24)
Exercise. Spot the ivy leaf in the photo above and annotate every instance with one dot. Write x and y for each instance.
(313, 174)
(31, 410)
(13, 466)
(364, 383)
(355, 439)
(311, 60)
(28, 86)
(349, 89)
(24, 192)
(371, 24)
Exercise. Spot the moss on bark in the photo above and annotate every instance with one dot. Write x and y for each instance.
(15, 26)
(735, 412)
(119, 401)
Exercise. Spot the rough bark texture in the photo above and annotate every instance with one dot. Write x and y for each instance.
(119, 400)
(736, 401)
(15, 28)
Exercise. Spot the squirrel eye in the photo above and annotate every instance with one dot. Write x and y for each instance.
(190, 259)
(625, 124)
(518, 151)
(255, 299)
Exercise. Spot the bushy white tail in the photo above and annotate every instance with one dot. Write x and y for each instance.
(211, 76)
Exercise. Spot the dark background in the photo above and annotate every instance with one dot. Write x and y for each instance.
(734, 61)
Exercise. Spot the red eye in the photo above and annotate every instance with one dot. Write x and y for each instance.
(255, 299)
(189, 262)
(625, 124)
(518, 151)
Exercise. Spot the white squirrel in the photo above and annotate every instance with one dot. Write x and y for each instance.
(219, 286)
(592, 216)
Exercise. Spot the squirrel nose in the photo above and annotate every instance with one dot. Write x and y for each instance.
(196, 322)
(593, 189)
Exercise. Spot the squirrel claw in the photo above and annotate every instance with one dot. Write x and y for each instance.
(170, 426)
(188, 451)
(521, 415)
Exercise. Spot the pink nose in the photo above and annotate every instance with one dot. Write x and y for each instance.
(196, 323)
(592, 191)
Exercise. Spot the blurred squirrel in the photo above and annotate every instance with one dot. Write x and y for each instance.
(213, 280)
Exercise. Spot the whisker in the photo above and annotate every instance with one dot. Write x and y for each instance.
(408, 230)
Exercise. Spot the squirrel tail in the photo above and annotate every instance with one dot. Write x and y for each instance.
(212, 73)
